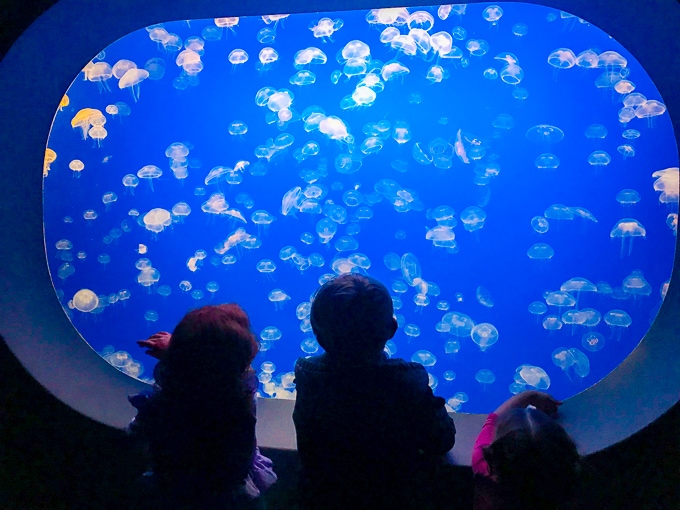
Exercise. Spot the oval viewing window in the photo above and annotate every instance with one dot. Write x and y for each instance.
(509, 172)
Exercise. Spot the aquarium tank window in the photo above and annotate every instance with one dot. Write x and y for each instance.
(509, 171)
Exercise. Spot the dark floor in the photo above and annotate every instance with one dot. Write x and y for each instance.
(51, 457)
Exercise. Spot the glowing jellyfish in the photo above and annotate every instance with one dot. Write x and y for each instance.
(108, 198)
(559, 212)
(667, 183)
(262, 217)
(271, 333)
(238, 56)
(484, 297)
(636, 284)
(477, 47)
(410, 268)
(540, 251)
(534, 376)
(392, 261)
(157, 219)
(85, 300)
(520, 29)
(512, 74)
(267, 57)
(278, 297)
(473, 218)
(592, 341)
(131, 79)
(599, 158)
(425, 358)
(628, 197)
(149, 172)
(626, 114)
(540, 224)
(355, 49)
(442, 327)
(130, 182)
(484, 335)
(628, 228)
(551, 323)
(238, 128)
(537, 308)
(571, 360)
(596, 131)
(485, 377)
(346, 243)
(490, 73)
(65, 270)
(393, 70)
(547, 160)
(544, 133)
(411, 330)
(302, 78)
(626, 150)
(99, 72)
(334, 128)
(77, 166)
(90, 215)
(155, 67)
(562, 58)
(649, 109)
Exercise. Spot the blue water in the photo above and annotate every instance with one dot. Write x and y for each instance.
(197, 110)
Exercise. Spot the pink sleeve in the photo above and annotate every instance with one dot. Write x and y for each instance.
(485, 438)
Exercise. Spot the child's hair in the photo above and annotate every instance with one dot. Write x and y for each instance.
(202, 421)
(210, 350)
(533, 459)
(352, 315)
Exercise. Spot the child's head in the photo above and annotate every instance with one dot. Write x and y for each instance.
(533, 459)
(352, 316)
(211, 345)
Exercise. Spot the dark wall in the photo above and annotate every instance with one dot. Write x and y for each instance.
(54, 458)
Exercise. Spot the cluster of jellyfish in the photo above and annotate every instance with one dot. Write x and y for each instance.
(420, 52)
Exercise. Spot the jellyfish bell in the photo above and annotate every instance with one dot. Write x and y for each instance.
(593, 341)
(599, 158)
(484, 335)
(425, 358)
(636, 284)
(512, 74)
(82, 119)
(540, 251)
(238, 57)
(628, 197)
(149, 172)
(627, 228)
(533, 376)
(157, 219)
(544, 133)
(355, 49)
(562, 58)
(473, 218)
(548, 161)
(85, 300)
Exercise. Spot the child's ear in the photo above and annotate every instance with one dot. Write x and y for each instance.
(393, 328)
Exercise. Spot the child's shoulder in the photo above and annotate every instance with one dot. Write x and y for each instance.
(396, 366)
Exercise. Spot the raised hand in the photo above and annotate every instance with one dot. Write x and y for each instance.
(157, 344)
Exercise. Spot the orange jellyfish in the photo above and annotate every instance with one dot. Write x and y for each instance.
(50, 156)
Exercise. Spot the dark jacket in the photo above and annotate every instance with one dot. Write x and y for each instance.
(366, 433)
